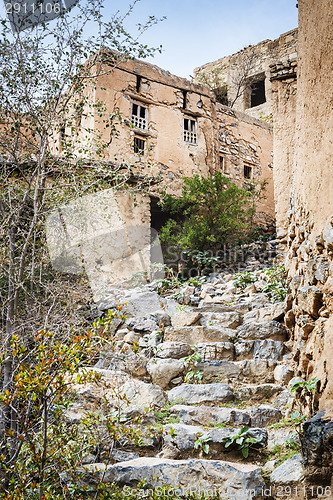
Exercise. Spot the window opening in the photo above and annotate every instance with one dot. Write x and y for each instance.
(184, 99)
(138, 82)
(140, 116)
(139, 146)
(247, 172)
(190, 131)
(258, 95)
(221, 163)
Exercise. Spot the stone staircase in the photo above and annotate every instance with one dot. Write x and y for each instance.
(193, 377)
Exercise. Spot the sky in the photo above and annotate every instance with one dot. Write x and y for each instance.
(196, 32)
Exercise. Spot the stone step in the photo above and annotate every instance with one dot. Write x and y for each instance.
(201, 394)
(272, 350)
(238, 481)
(192, 335)
(217, 307)
(272, 330)
(183, 437)
(258, 393)
(237, 372)
(224, 319)
(273, 312)
(168, 373)
(219, 393)
(260, 416)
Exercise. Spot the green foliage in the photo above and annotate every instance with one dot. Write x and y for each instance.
(276, 287)
(306, 386)
(216, 212)
(202, 443)
(204, 261)
(190, 363)
(294, 420)
(242, 280)
(243, 441)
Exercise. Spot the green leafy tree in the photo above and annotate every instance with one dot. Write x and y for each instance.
(211, 212)
(47, 76)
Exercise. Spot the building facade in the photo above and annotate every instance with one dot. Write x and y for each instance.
(170, 128)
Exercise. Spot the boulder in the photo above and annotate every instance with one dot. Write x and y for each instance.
(200, 393)
(226, 320)
(260, 331)
(291, 471)
(212, 351)
(243, 348)
(223, 370)
(203, 415)
(274, 312)
(283, 374)
(142, 394)
(264, 415)
(258, 370)
(183, 318)
(197, 334)
(257, 392)
(236, 481)
(162, 371)
(181, 435)
(175, 350)
(268, 349)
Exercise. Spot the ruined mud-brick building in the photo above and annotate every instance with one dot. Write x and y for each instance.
(303, 174)
(171, 128)
(247, 74)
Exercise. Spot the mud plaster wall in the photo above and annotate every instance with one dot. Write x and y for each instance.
(309, 310)
(284, 88)
(242, 140)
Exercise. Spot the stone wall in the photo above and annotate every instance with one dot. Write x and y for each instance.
(252, 64)
(307, 175)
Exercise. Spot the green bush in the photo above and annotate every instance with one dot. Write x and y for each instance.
(210, 213)
(276, 287)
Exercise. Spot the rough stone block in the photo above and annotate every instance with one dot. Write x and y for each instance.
(310, 300)
(201, 393)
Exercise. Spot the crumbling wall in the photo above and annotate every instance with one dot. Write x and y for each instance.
(251, 63)
(309, 310)
(243, 141)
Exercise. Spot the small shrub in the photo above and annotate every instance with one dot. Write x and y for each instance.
(242, 280)
(243, 440)
(276, 287)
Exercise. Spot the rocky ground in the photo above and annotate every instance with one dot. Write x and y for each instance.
(200, 382)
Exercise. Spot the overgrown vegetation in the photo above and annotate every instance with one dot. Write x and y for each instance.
(216, 212)
(45, 94)
(276, 282)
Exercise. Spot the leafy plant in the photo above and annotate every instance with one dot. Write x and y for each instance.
(204, 261)
(244, 441)
(190, 363)
(304, 385)
(276, 287)
(216, 212)
(242, 280)
(202, 443)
